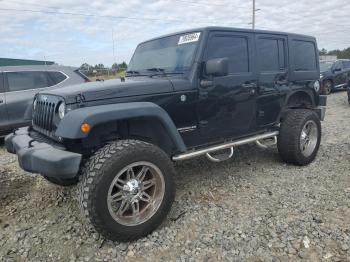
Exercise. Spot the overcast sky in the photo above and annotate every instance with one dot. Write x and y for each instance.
(74, 39)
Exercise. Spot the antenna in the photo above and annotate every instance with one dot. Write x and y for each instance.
(254, 10)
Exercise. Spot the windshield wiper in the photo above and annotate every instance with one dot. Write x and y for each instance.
(163, 72)
(133, 72)
(156, 69)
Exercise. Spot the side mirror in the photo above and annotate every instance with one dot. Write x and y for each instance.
(217, 66)
(337, 69)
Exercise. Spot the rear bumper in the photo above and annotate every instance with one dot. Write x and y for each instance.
(42, 158)
(321, 108)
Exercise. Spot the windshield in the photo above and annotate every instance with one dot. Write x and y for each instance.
(169, 54)
(325, 66)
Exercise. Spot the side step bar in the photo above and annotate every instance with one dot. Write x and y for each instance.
(192, 154)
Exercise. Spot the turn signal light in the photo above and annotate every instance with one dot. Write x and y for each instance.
(85, 128)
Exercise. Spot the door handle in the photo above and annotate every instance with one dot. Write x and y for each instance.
(249, 85)
(281, 82)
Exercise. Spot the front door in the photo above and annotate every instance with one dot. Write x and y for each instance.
(340, 75)
(227, 107)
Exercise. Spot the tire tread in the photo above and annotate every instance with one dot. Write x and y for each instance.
(92, 174)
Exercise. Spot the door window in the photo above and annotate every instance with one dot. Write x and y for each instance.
(18, 81)
(346, 64)
(304, 55)
(271, 54)
(338, 66)
(235, 48)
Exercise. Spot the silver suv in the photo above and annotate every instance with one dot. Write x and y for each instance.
(19, 84)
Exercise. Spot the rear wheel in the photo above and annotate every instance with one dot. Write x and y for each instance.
(300, 137)
(327, 87)
(127, 189)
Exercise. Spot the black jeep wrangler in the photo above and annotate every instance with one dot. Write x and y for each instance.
(199, 92)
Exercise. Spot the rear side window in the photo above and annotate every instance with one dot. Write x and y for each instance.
(346, 64)
(304, 55)
(271, 54)
(57, 77)
(235, 48)
(18, 81)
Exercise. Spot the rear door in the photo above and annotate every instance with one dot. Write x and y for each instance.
(21, 88)
(273, 79)
(3, 111)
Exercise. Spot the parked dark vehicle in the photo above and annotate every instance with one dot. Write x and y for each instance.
(348, 91)
(194, 93)
(19, 84)
(334, 75)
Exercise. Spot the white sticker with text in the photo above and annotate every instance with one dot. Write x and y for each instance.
(184, 39)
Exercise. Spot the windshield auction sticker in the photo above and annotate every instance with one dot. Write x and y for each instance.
(184, 39)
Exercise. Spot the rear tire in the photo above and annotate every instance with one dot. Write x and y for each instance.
(300, 137)
(127, 189)
(62, 182)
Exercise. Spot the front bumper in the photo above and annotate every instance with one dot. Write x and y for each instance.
(37, 157)
(321, 108)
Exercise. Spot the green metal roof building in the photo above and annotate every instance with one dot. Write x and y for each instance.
(20, 62)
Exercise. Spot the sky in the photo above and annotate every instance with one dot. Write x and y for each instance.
(70, 38)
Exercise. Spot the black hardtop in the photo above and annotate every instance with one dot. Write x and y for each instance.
(232, 29)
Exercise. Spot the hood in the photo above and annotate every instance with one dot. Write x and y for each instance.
(112, 89)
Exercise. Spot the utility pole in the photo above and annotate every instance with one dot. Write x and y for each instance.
(253, 18)
(254, 10)
(114, 57)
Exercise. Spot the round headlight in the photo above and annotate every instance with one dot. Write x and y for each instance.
(317, 86)
(34, 103)
(61, 110)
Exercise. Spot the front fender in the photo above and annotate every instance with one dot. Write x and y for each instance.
(69, 126)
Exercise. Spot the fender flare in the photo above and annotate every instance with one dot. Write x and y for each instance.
(69, 126)
(309, 92)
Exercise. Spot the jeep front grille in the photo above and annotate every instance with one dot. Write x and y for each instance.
(44, 115)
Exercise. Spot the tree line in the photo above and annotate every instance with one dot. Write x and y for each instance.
(341, 54)
(92, 69)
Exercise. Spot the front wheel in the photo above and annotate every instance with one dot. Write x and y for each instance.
(127, 189)
(300, 137)
(327, 87)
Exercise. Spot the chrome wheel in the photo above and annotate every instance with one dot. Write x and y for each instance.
(328, 87)
(136, 193)
(309, 138)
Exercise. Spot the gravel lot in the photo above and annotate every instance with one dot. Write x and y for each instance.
(252, 208)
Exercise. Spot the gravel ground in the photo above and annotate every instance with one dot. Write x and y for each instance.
(252, 208)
